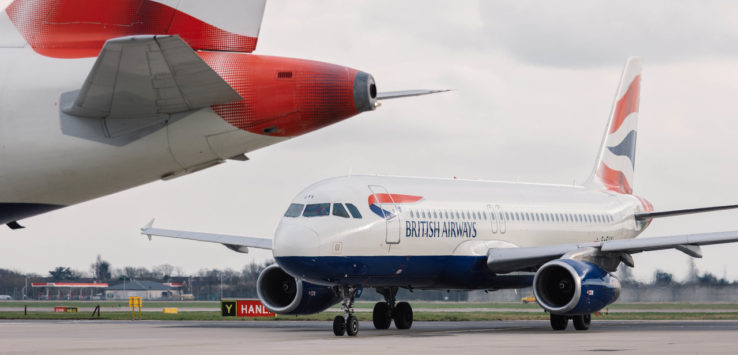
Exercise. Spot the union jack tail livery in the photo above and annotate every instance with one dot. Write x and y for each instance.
(616, 159)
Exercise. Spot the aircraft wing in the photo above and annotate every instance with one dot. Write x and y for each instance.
(233, 242)
(657, 214)
(147, 76)
(504, 260)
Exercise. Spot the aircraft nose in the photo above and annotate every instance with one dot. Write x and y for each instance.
(295, 240)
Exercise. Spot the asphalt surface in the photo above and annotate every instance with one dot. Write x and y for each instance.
(307, 337)
(369, 310)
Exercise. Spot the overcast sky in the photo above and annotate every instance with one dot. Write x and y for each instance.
(533, 85)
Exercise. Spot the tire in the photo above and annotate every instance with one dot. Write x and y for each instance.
(352, 326)
(582, 322)
(559, 322)
(381, 316)
(339, 326)
(403, 315)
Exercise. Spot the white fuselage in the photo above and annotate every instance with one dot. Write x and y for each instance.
(440, 218)
(42, 162)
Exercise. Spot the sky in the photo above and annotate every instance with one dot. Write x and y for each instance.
(532, 87)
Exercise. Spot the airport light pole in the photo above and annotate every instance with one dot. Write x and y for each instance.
(221, 285)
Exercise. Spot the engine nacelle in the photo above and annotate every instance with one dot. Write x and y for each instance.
(283, 294)
(572, 287)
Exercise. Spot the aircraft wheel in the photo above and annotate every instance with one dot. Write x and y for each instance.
(352, 326)
(381, 316)
(403, 315)
(339, 326)
(582, 322)
(559, 322)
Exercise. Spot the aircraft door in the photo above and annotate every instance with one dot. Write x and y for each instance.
(383, 205)
(493, 220)
(501, 218)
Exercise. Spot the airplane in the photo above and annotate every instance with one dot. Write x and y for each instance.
(343, 234)
(100, 96)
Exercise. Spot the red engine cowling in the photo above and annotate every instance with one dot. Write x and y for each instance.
(287, 97)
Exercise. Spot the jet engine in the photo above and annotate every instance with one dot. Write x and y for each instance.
(572, 287)
(284, 294)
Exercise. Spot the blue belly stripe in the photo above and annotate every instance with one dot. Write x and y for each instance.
(16, 211)
(427, 272)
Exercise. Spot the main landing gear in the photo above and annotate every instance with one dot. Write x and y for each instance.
(385, 312)
(382, 316)
(347, 323)
(581, 322)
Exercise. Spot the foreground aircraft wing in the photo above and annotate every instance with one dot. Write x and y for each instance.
(406, 93)
(504, 260)
(233, 242)
(147, 76)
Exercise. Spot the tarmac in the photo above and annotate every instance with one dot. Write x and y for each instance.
(369, 310)
(309, 337)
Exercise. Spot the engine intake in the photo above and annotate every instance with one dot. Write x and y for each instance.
(572, 287)
(281, 293)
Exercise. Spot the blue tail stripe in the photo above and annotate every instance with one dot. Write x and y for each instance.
(627, 147)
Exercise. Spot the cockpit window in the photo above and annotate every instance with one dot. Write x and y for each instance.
(354, 211)
(340, 211)
(317, 209)
(294, 210)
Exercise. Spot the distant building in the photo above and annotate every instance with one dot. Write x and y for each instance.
(68, 290)
(148, 290)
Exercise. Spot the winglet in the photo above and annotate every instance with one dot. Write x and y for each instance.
(147, 227)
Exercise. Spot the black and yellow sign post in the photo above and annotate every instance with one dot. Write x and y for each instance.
(228, 308)
(134, 302)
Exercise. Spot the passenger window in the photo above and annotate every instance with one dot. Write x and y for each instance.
(317, 210)
(492, 216)
(355, 211)
(340, 211)
(412, 215)
(484, 215)
(294, 210)
(507, 216)
(435, 215)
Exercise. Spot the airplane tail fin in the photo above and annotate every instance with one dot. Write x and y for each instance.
(615, 163)
(79, 28)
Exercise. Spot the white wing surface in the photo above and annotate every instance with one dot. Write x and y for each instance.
(233, 242)
(504, 260)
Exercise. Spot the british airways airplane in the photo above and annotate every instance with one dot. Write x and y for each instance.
(343, 234)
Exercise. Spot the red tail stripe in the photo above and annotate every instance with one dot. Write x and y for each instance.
(614, 180)
(396, 198)
(627, 104)
(79, 28)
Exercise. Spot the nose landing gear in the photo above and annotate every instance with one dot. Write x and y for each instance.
(348, 323)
